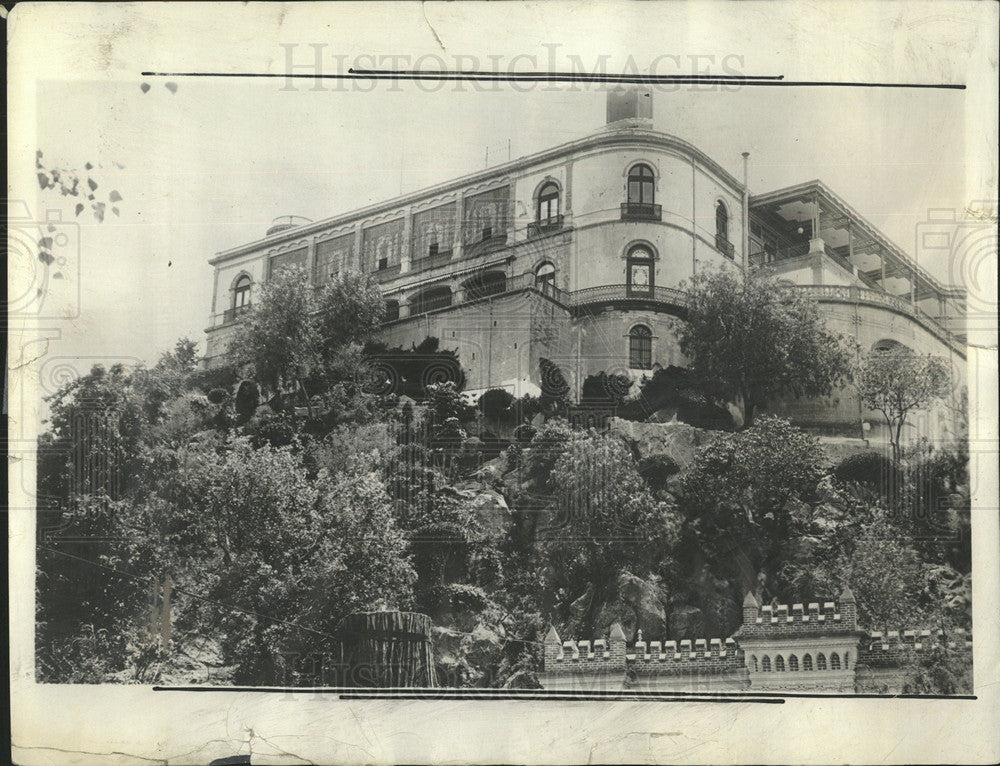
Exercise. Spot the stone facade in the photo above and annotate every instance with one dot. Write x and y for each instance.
(814, 648)
(629, 214)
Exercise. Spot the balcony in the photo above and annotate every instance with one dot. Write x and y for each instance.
(545, 226)
(725, 247)
(432, 260)
(641, 211)
(230, 315)
(607, 295)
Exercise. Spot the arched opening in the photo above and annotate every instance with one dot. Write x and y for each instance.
(820, 661)
(722, 230)
(834, 661)
(484, 284)
(641, 184)
(765, 664)
(890, 346)
(640, 348)
(807, 662)
(547, 208)
(779, 663)
(431, 299)
(753, 663)
(793, 662)
(845, 661)
(241, 292)
(545, 277)
(640, 272)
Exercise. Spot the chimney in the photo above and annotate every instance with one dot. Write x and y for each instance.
(630, 106)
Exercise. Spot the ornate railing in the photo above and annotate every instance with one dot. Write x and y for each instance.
(611, 293)
(724, 246)
(229, 315)
(545, 226)
(850, 294)
(641, 211)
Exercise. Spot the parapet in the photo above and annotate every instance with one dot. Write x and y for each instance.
(702, 657)
(598, 656)
(799, 619)
(890, 648)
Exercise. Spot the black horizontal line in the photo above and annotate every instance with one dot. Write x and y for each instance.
(386, 74)
(539, 694)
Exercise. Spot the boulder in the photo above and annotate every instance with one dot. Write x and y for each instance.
(646, 600)
(678, 440)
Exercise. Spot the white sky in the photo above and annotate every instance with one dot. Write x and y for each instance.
(208, 166)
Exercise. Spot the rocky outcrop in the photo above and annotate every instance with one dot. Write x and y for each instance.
(678, 440)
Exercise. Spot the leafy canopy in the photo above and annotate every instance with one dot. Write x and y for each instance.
(748, 336)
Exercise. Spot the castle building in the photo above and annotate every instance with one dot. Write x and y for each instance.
(814, 649)
(578, 254)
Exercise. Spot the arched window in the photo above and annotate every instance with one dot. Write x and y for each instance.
(753, 663)
(820, 661)
(834, 661)
(431, 299)
(484, 284)
(779, 663)
(241, 292)
(545, 276)
(807, 662)
(640, 272)
(391, 311)
(793, 662)
(547, 211)
(721, 221)
(640, 185)
(640, 348)
(845, 661)
(765, 664)
(722, 230)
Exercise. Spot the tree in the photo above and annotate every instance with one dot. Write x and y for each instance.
(898, 382)
(751, 338)
(294, 333)
(495, 402)
(606, 520)
(739, 495)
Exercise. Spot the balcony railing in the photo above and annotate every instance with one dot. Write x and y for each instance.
(850, 294)
(590, 296)
(545, 226)
(387, 273)
(641, 211)
(724, 246)
(229, 315)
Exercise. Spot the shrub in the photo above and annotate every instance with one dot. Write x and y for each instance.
(869, 467)
(218, 396)
(524, 433)
(495, 402)
(603, 387)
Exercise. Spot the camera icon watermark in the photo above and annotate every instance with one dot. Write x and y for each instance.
(44, 265)
(964, 243)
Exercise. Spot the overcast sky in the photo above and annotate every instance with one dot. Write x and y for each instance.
(208, 166)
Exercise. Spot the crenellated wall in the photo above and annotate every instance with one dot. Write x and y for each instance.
(810, 648)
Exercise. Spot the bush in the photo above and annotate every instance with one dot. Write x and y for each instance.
(218, 396)
(247, 399)
(869, 467)
(606, 388)
(657, 469)
(495, 402)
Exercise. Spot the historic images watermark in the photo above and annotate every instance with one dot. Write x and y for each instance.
(549, 69)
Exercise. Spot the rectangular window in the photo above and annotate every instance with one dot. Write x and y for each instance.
(640, 352)
(433, 231)
(333, 256)
(382, 243)
(286, 260)
(486, 215)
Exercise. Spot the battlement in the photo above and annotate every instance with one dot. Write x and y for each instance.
(703, 656)
(888, 649)
(839, 616)
(598, 656)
